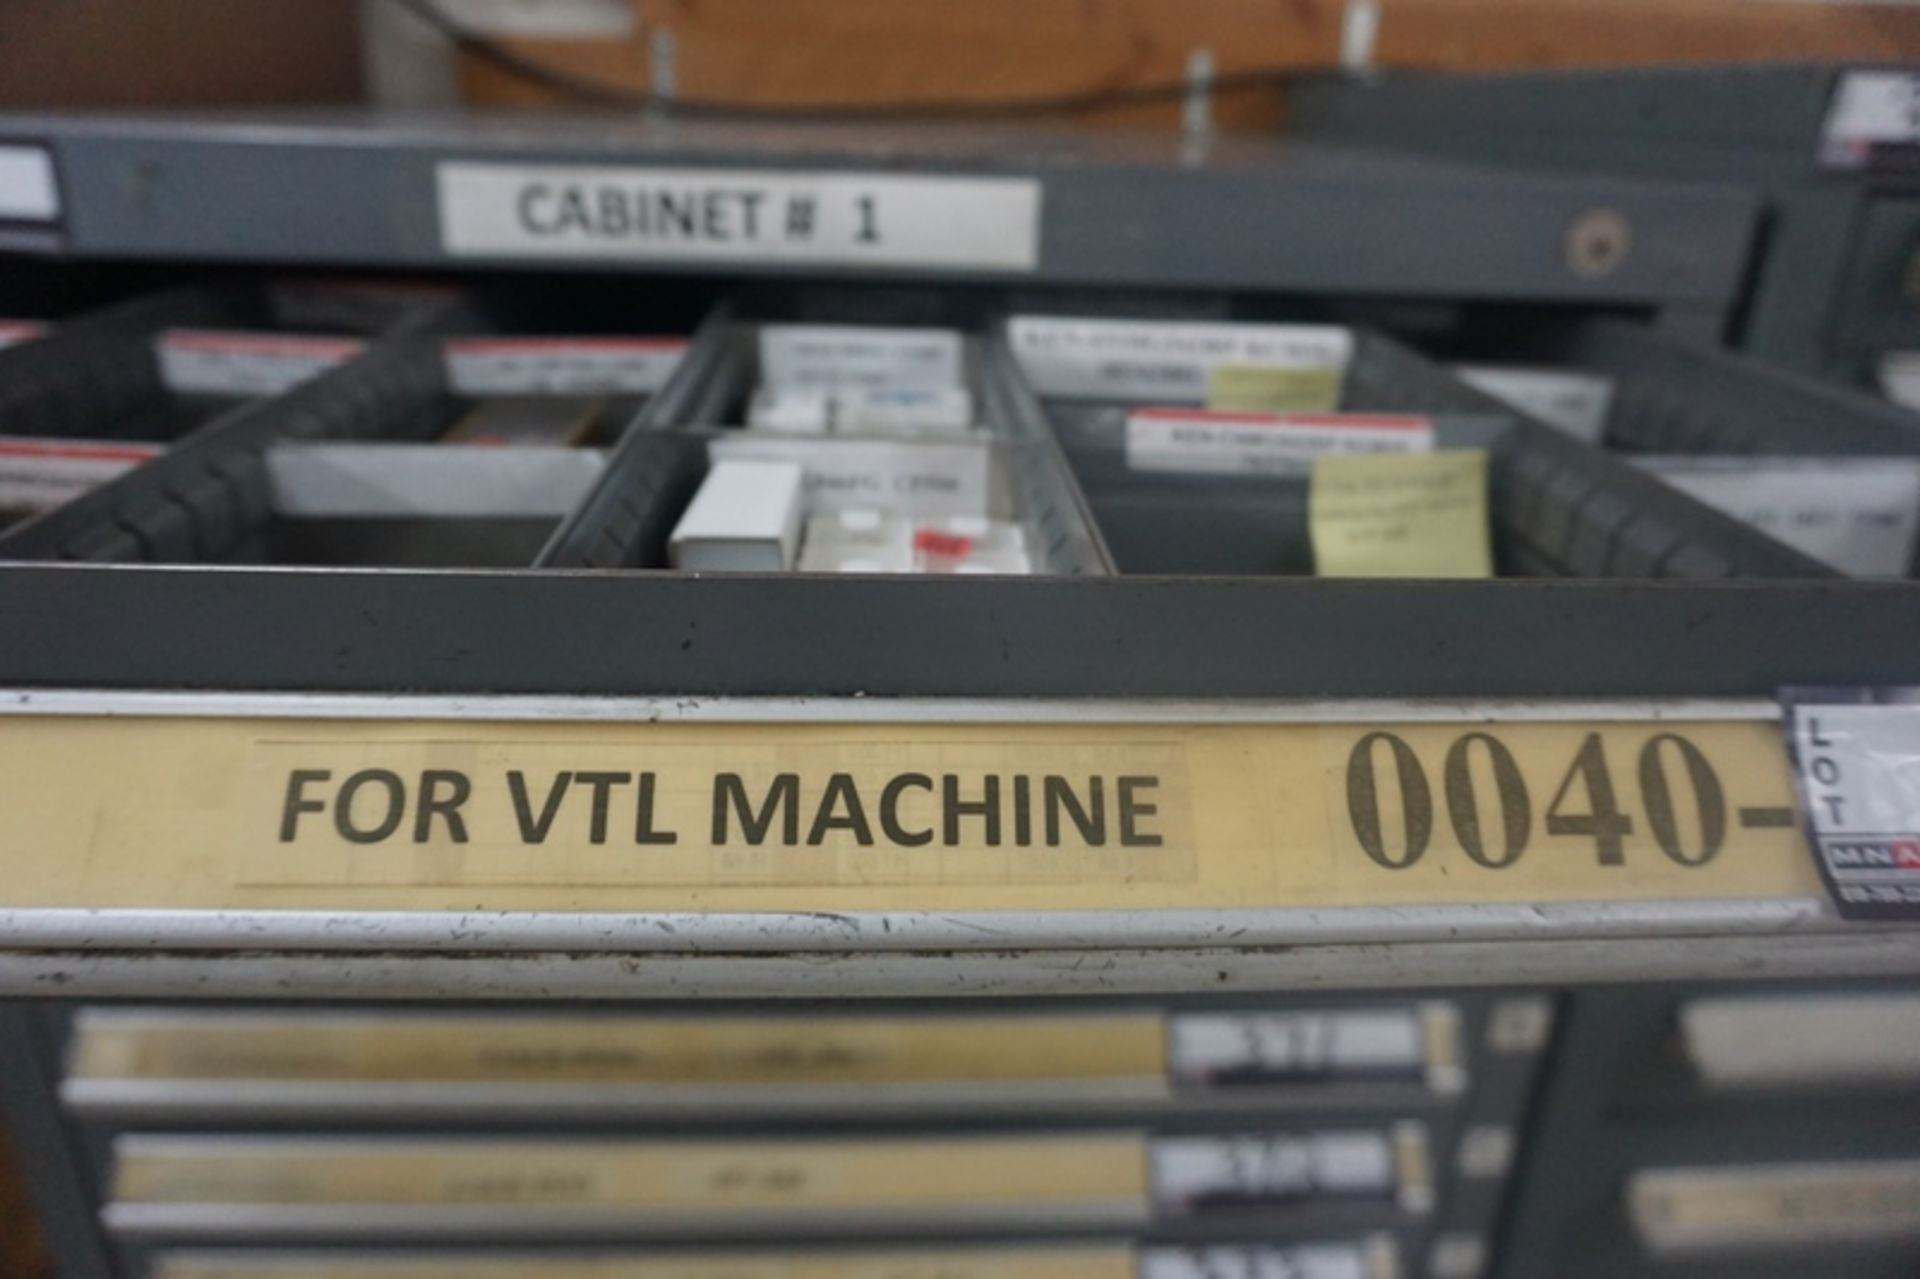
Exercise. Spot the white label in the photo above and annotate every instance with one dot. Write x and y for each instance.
(14, 332)
(1486, 1152)
(1198, 442)
(1167, 363)
(205, 362)
(28, 190)
(1196, 1173)
(1519, 1025)
(561, 366)
(37, 475)
(1870, 107)
(1831, 1040)
(903, 410)
(1900, 377)
(1859, 768)
(1856, 514)
(1756, 1205)
(320, 481)
(791, 410)
(837, 219)
(906, 477)
(1308, 1261)
(545, 19)
(831, 355)
(1577, 403)
(1278, 1047)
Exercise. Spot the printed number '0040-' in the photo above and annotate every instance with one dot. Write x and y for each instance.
(1496, 839)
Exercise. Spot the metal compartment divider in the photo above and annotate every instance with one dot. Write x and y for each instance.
(216, 496)
(1674, 396)
(656, 466)
(206, 499)
(1677, 397)
(1559, 508)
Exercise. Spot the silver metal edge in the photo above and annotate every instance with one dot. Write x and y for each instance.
(1006, 973)
(687, 934)
(858, 710)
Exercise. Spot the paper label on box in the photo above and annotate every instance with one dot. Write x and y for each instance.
(842, 219)
(1857, 514)
(561, 366)
(37, 475)
(1409, 516)
(1831, 1039)
(831, 355)
(210, 362)
(903, 410)
(14, 332)
(1870, 108)
(1206, 442)
(1577, 403)
(907, 477)
(29, 188)
(1164, 362)
(385, 479)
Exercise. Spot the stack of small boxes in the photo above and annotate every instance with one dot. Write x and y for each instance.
(893, 386)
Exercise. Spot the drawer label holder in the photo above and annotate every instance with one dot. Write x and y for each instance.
(491, 808)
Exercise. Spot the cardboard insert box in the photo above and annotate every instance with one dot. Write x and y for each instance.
(744, 519)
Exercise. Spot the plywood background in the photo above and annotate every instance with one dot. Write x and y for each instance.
(886, 51)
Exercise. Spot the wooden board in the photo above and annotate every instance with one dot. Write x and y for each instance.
(889, 51)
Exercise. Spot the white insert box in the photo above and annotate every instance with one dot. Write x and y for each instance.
(744, 519)
(791, 410)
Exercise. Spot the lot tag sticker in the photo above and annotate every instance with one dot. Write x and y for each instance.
(1856, 755)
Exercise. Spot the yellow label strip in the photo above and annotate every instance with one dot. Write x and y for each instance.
(1014, 1175)
(950, 1263)
(338, 815)
(841, 1052)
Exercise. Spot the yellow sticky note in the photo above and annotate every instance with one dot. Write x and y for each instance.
(1401, 515)
(1273, 388)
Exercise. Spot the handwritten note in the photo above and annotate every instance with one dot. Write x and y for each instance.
(1273, 388)
(1401, 515)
